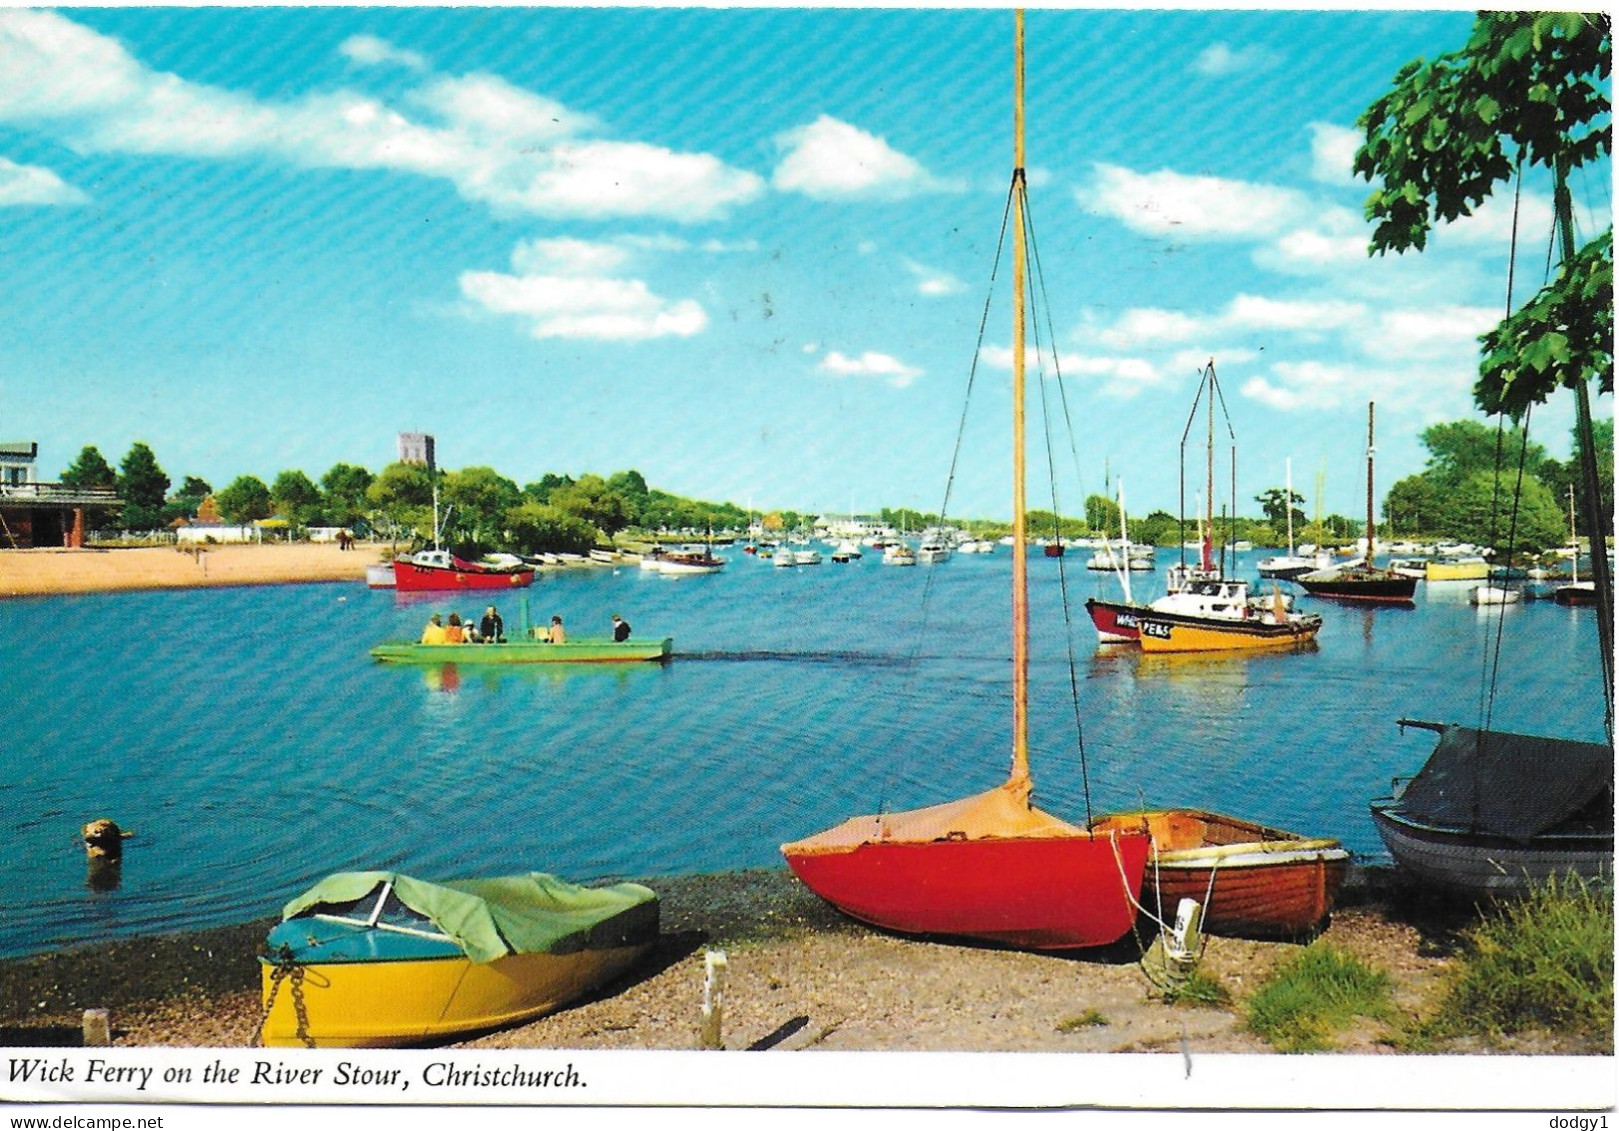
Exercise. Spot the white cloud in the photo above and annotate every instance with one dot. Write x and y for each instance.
(1170, 203)
(1310, 251)
(1431, 333)
(1255, 312)
(870, 364)
(497, 144)
(32, 184)
(567, 257)
(1332, 153)
(832, 160)
(565, 288)
(934, 283)
(373, 51)
(1219, 59)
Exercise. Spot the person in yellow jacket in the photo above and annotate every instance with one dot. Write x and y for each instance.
(434, 632)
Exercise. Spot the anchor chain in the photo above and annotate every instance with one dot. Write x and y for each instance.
(286, 970)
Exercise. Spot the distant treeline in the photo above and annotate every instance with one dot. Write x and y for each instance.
(1482, 484)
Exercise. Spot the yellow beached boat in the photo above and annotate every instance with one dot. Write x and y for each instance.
(380, 959)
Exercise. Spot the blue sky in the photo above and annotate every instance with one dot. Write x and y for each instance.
(744, 251)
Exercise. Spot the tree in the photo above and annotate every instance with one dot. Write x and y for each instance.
(1279, 504)
(478, 499)
(538, 528)
(1101, 513)
(185, 502)
(1528, 88)
(1160, 528)
(594, 501)
(344, 488)
(294, 497)
(91, 469)
(1462, 447)
(142, 485)
(403, 492)
(244, 500)
(541, 492)
(631, 487)
(1412, 506)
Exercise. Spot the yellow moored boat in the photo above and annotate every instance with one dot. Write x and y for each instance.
(1458, 569)
(380, 959)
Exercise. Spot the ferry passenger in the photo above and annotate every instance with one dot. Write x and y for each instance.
(492, 628)
(434, 632)
(469, 630)
(557, 635)
(453, 633)
(621, 629)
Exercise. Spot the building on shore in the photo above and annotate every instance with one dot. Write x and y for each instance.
(35, 515)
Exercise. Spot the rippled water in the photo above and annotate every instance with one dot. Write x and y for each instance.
(252, 745)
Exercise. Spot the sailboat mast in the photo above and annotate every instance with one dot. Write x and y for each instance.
(1208, 494)
(1020, 558)
(1371, 529)
(1290, 507)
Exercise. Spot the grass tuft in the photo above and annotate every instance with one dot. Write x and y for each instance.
(1090, 1019)
(1199, 989)
(1314, 994)
(1541, 963)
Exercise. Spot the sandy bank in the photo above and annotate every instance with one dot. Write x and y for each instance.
(35, 573)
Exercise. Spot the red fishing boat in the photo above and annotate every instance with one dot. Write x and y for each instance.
(440, 569)
(990, 866)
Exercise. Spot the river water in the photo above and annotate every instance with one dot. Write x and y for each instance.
(252, 746)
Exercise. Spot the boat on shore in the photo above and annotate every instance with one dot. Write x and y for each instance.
(440, 570)
(1250, 879)
(1495, 814)
(380, 575)
(383, 960)
(990, 867)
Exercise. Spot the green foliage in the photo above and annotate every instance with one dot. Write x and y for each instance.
(1276, 502)
(538, 528)
(343, 491)
(591, 499)
(91, 469)
(1542, 963)
(540, 492)
(1469, 490)
(245, 499)
(184, 503)
(1091, 1019)
(1528, 87)
(142, 485)
(295, 498)
(403, 494)
(476, 501)
(1199, 989)
(1101, 513)
(1314, 994)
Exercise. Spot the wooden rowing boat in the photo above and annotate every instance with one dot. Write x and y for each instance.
(1249, 879)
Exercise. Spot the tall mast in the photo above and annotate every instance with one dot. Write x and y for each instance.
(1020, 562)
(1208, 496)
(1290, 506)
(1371, 528)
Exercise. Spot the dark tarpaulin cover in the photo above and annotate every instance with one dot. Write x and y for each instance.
(1510, 785)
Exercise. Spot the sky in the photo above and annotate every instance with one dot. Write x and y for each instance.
(746, 252)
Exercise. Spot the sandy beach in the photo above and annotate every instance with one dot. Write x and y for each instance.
(38, 573)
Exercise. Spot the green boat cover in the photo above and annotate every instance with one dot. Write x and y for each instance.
(490, 918)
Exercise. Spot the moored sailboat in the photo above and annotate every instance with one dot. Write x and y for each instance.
(1363, 581)
(990, 866)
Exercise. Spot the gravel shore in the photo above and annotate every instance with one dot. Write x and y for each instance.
(800, 976)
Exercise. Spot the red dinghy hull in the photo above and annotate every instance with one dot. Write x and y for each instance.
(1116, 622)
(1033, 893)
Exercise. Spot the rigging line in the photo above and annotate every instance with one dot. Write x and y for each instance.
(1489, 672)
(1512, 540)
(1191, 417)
(908, 696)
(1037, 287)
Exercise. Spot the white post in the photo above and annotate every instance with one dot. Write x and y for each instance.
(713, 999)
